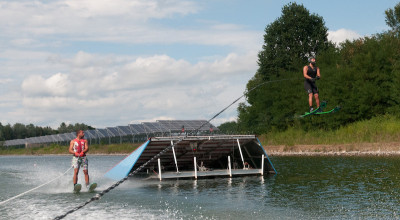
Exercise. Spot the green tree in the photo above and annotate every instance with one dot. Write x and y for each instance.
(70, 128)
(393, 18)
(20, 131)
(8, 132)
(288, 42)
(369, 77)
(48, 130)
(229, 128)
(62, 128)
(291, 39)
(31, 131)
(1, 132)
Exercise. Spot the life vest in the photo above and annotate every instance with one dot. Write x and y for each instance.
(312, 72)
(79, 145)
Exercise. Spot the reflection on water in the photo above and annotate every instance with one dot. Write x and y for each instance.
(305, 187)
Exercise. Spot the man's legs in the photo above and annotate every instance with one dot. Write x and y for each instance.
(310, 99)
(86, 176)
(85, 165)
(310, 95)
(75, 178)
(316, 96)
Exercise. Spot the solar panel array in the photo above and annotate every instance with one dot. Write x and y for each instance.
(131, 132)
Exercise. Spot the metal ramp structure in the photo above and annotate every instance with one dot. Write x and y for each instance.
(196, 157)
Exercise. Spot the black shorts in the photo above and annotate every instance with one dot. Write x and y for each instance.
(310, 87)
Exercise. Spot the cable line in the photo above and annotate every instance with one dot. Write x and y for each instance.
(17, 196)
(99, 195)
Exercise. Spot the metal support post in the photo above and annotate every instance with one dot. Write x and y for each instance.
(159, 168)
(229, 166)
(195, 168)
(241, 154)
(262, 165)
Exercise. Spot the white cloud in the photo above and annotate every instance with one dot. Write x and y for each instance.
(57, 85)
(119, 21)
(139, 89)
(54, 62)
(5, 81)
(342, 35)
(87, 17)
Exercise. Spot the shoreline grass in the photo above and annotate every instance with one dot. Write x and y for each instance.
(382, 130)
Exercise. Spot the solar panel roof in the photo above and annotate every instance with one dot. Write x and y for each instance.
(64, 137)
(38, 140)
(10, 143)
(29, 140)
(91, 134)
(171, 125)
(71, 135)
(138, 128)
(114, 131)
(47, 139)
(102, 132)
(125, 130)
(154, 127)
(159, 126)
(55, 137)
(7, 142)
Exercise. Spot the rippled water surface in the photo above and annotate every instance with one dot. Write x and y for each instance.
(305, 188)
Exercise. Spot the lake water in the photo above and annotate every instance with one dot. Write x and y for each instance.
(304, 188)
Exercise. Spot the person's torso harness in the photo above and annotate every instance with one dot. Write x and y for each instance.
(79, 145)
(312, 72)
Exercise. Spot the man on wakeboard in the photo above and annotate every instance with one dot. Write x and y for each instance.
(79, 147)
(311, 73)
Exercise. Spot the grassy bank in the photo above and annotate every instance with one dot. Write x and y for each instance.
(383, 129)
(124, 148)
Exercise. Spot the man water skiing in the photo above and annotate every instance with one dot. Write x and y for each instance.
(79, 147)
(311, 73)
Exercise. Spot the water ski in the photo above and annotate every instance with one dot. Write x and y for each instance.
(92, 187)
(319, 109)
(337, 108)
(77, 188)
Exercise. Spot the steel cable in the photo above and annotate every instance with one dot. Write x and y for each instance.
(99, 195)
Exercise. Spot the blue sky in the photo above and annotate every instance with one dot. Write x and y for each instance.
(109, 63)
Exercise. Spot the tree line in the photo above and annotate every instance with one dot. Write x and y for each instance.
(21, 131)
(362, 75)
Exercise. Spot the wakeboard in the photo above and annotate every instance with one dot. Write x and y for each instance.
(77, 188)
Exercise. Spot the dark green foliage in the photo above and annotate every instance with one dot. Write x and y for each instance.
(288, 42)
(229, 128)
(393, 18)
(363, 76)
(290, 39)
(72, 128)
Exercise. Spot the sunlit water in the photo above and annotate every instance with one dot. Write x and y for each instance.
(304, 188)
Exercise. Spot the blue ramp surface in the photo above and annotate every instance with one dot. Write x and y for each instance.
(122, 169)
